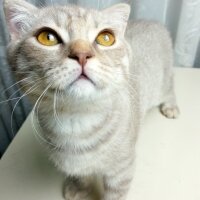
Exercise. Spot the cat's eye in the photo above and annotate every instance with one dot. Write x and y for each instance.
(105, 38)
(48, 38)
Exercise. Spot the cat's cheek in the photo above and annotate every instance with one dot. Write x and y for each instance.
(99, 73)
(61, 77)
(125, 62)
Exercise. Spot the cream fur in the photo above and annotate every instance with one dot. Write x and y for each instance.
(90, 127)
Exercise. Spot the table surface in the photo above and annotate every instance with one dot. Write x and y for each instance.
(167, 155)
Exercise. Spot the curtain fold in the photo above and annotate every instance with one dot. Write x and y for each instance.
(181, 17)
(188, 34)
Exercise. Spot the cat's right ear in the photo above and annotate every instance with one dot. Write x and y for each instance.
(117, 16)
(19, 17)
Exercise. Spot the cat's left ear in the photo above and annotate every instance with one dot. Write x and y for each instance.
(19, 16)
(118, 15)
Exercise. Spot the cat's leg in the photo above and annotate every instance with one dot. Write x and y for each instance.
(77, 188)
(116, 186)
(169, 106)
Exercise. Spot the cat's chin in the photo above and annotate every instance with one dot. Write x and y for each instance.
(82, 88)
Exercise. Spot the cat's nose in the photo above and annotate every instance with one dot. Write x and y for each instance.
(80, 50)
(81, 57)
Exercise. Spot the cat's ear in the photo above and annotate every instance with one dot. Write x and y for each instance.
(19, 16)
(118, 15)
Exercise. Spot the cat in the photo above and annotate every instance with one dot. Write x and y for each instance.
(92, 75)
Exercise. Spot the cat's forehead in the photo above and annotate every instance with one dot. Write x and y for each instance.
(74, 19)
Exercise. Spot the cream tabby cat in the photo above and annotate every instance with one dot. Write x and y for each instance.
(92, 77)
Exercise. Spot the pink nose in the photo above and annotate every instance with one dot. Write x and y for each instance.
(81, 57)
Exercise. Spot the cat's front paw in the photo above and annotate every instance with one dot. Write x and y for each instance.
(76, 190)
(169, 111)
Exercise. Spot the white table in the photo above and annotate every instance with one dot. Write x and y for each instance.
(167, 162)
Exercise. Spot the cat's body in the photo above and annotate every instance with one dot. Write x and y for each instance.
(152, 62)
(91, 127)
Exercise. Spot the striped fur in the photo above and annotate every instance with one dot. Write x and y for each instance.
(90, 126)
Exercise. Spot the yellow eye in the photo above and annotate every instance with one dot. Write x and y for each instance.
(48, 38)
(105, 38)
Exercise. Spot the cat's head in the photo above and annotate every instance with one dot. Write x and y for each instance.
(75, 51)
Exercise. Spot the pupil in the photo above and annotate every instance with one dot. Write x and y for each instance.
(50, 37)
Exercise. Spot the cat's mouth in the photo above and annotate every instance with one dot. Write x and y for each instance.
(83, 77)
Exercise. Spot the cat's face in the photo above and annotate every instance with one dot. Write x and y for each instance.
(81, 53)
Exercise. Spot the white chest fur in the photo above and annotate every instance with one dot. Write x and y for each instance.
(84, 141)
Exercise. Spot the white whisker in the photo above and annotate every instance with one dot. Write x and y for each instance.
(33, 114)
(3, 92)
(26, 93)
(54, 110)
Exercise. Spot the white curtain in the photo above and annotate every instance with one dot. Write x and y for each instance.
(188, 34)
(181, 17)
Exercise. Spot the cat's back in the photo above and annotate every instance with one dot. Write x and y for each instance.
(151, 52)
(145, 26)
(147, 36)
